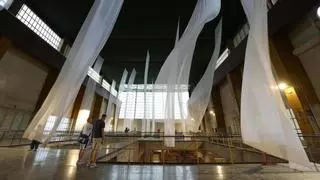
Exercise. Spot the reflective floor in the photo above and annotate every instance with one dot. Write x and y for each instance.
(19, 163)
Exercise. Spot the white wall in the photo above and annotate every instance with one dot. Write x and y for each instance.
(21, 81)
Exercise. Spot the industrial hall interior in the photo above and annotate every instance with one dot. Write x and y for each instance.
(159, 89)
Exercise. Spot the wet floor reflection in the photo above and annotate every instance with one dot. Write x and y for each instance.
(60, 164)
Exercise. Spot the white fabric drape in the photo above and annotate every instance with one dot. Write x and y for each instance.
(129, 96)
(200, 96)
(153, 128)
(174, 73)
(177, 33)
(88, 96)
(264, 124)
(93, 35)
(145, 121)
(5, 4)
(118, 102)
(109, 111)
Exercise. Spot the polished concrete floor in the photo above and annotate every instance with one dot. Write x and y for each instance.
(47, 164)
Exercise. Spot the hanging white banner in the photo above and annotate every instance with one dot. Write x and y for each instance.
(264, 124)
(109, 112)
(129, 96)
(145, 121)
(92, 37)
(174, 73)
(88, 96)
(118, 102)
(200, 96)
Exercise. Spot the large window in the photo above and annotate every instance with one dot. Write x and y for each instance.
(63, 125)
(30, 19)
(132, 106)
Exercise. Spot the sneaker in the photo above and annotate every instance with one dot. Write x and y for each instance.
(93, 165)
(80, 163)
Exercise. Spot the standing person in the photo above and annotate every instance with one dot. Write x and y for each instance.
(38, 134)
(85, 136)
(97, 139)
(34, 145)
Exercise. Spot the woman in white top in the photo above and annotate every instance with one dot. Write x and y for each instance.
(84, 138)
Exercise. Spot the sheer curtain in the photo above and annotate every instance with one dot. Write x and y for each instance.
(118, 102)
(264, 124)
(112, 100)
(129, 95)
(93, 35)
(175, 71)
(5, 4)
(145, 122)
(88, 96)
(200, 96)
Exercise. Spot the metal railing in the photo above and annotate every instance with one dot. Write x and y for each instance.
(138, 147)
(9, 138)
(194, 148)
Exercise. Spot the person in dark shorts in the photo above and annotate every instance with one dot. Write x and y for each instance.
(97, 139)
(84, 139)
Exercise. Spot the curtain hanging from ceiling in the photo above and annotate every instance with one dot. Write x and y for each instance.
(109, 111)
(264, 124)
(145, 121)
(5, 4)
(118, 103)
(129, 96)
(200, 96)
(153, 127)
(91, 38)
(174, 74)
(88, 96)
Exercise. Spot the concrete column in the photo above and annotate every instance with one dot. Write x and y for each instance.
(216, 101)
(50, 80)
(290, 70)
(76, 106)
(95, 112)
(5, 44)
(231, 110)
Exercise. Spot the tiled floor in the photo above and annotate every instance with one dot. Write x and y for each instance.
(60, 164)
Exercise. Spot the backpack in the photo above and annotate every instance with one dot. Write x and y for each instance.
(83, 138)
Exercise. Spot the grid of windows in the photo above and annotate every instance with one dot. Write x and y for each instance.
(63, 125)
(132, 106)
(30, 19)
(97, 78)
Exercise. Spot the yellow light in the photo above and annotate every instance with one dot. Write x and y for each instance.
(82, 119)
(318, 12)
(283, 86)
(192, 119)
(212, 113)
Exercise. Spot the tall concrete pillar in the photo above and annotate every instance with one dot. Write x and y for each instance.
(76, 106)
(230, 105)
(5, 44)
(96, 107)
(216, 101)
(51, 78)
(289, 69)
